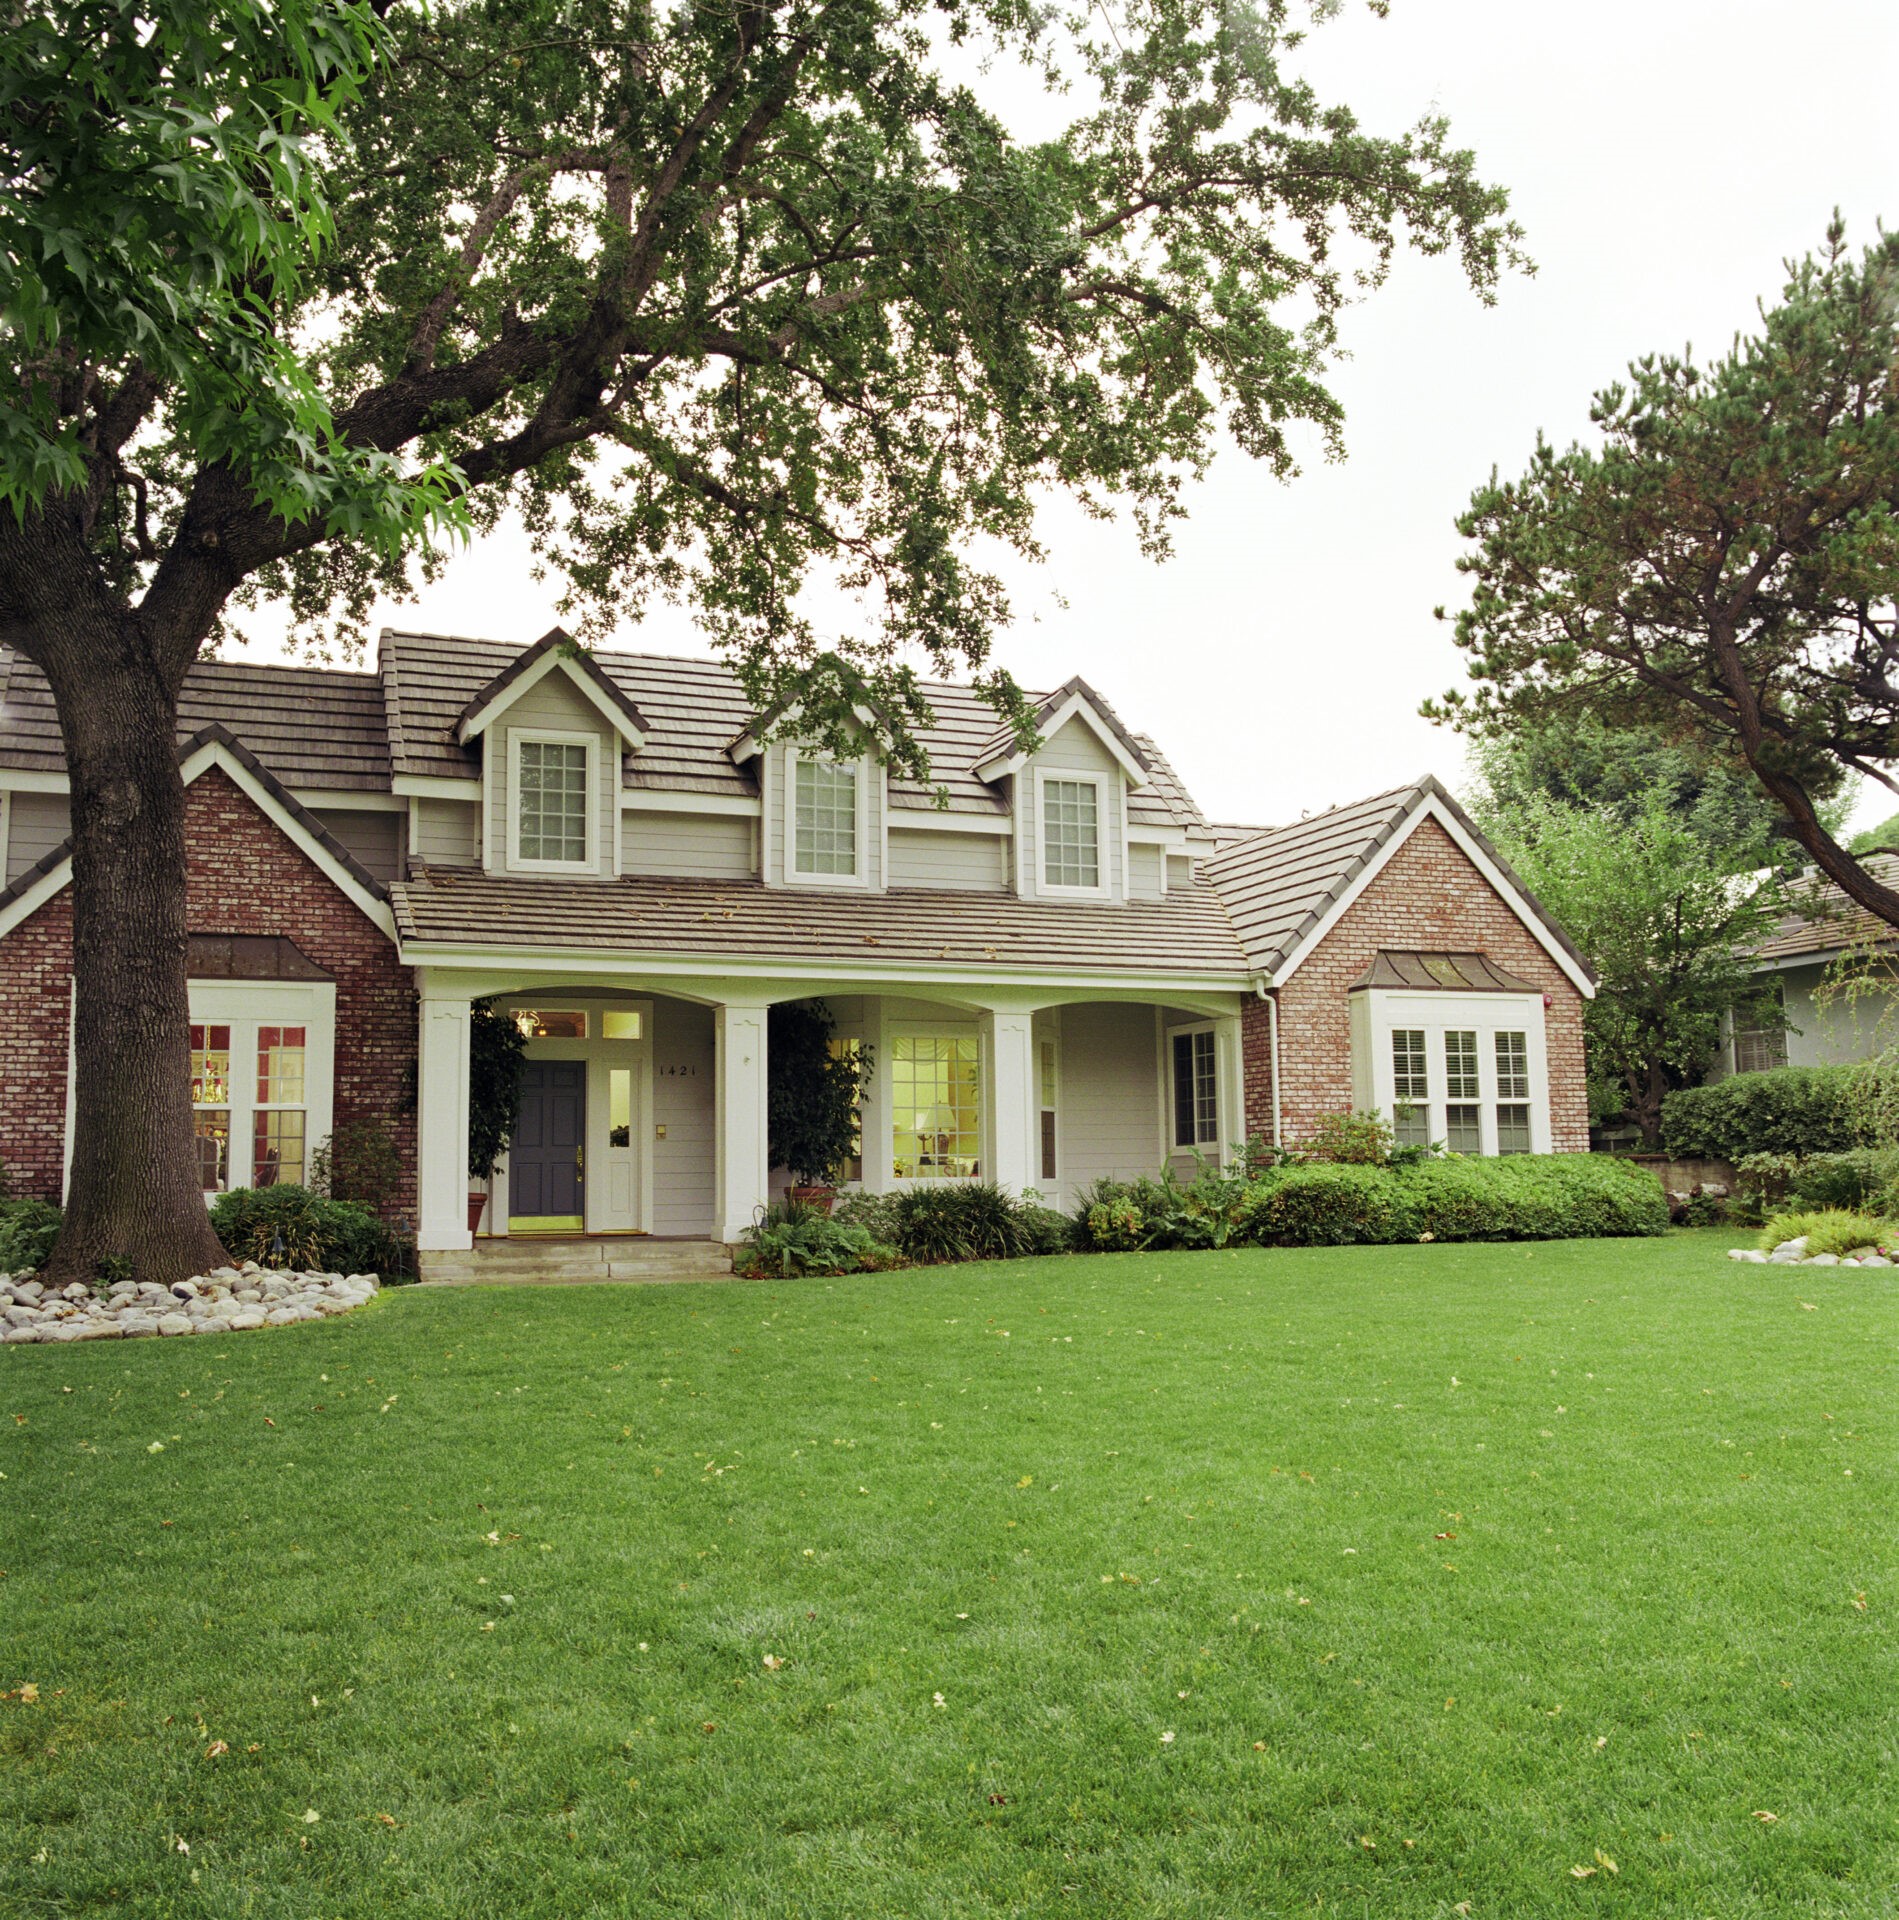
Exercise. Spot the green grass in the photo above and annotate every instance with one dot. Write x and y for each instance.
(1529, 1557)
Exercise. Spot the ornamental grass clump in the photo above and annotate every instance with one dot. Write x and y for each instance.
(1835, 1230)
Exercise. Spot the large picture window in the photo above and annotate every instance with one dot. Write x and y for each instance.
(1196, 1090)
(552, 802)
(824, 804)
(936, 1106)
(1071, 834)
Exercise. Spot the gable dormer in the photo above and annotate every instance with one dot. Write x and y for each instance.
(552, 730)
(1069, 797)
(823, 816)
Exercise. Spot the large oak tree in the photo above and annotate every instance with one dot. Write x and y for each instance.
(722, 298)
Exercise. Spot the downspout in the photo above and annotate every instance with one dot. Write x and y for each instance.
(1272, 1031)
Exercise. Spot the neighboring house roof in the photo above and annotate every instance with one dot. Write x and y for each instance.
(1419, 972)
(1280, 883)
(741, 920)
(1830, 921)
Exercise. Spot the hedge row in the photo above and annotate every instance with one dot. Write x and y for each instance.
(1521, 1197)
(1788, 1110)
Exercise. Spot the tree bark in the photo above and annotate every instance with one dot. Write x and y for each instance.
(134, 1188)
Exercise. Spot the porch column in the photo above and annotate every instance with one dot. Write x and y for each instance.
(1229, 1063)
(1011, 1119)
(741, 1185)
(441, 1125)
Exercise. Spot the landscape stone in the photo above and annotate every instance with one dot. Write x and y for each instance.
(174, 1323)
(1822, 1260)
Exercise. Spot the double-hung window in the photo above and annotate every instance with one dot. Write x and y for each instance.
(553, 802)
(1463, 1116)
(1196, 1090)
(280, 1117)
(1071, 835)
(1513, 1092)
(1410, 1087)
(824, 818)
(1760, 1033)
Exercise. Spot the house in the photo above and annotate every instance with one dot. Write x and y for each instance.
(1809, 1016)
(1060, 969)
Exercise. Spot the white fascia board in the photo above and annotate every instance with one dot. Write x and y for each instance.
(1075, 707)
(437, 786)
(675, 800)
(552, 661)
(1433, 809)
(35, 897)
(1791, 962)
(23, 780)
(993, 826)
(749, 745)
(219, 756)
(621, 961)
(347, 800)
(1174, 839)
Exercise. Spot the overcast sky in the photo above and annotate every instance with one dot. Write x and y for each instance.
(1664, 158)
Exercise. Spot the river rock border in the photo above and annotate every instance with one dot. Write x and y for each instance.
(1793, 1253)
(225, 1300)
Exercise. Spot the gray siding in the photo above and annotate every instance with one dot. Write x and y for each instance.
(374, 838)
(973, 862)
(447, 832)
(37, 823)
(1075, 748)
(688, 846)
(553, 704)
(684, 1087)
(1108, 1122)
(1179, 871)
(1147, 872)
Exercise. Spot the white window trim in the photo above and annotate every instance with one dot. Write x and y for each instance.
(244, 1006)
(1170, 1126)
(934, 1030)
(518, 737)
(860, 876)
(1103, 889)
(1385, 1010)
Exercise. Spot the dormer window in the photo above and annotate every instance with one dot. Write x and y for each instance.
(552, 792)
(1071, 835)
(827, 818)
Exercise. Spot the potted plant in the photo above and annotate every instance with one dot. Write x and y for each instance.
(496, 1056)
(812, 1094)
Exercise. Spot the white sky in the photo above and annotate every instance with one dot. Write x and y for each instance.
(1663, 156)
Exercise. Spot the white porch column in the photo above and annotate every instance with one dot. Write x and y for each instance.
(741, 1186)
(875, 1112)
(1229, 1061)
(1011, 1102)
(441, 1125)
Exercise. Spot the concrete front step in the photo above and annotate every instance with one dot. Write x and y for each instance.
(527, 1262)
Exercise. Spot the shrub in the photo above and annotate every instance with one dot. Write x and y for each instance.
(1118, 1216)
(1830, 1230)
(28, 1229)
(1555, 1196)
(315, 1234)
(1349, 1140)
(1803, 1110)
(967, 1220)
(1329, 1205)
(360, 1161)
(789, 1239)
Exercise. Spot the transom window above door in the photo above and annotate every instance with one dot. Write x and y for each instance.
(824, 818)
(553, 802)
(1071, 834)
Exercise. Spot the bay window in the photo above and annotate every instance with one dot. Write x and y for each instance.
(262, 1053)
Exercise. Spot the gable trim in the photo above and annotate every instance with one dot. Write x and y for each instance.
(1075, 701)
(1433, 803)
(215, 746)
(552, 653)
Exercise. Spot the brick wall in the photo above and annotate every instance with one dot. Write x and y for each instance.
(244, 877)
(1429, 897)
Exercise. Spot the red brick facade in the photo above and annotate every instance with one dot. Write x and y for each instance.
(245, 877)
(1428, 896)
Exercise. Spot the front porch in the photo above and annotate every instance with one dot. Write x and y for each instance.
(645, 1124)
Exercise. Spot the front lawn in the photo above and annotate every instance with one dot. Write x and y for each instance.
(1350, 1581)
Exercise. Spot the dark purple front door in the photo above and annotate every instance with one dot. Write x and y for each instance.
(544, 1155)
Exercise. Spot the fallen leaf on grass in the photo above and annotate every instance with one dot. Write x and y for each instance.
(388, 1819)
(29, 1694)
(216, 1748)
(772, 1663)
(1582, 1873)
(1605, 1863)
(1767, 1819)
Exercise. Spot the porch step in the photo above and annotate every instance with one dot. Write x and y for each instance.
(551, 1262)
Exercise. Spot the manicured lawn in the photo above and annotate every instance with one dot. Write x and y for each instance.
(1362, 1583)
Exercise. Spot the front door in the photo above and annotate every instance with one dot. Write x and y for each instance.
(544, 1157)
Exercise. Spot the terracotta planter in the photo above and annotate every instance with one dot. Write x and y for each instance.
(823, 1199)
(477, 1202)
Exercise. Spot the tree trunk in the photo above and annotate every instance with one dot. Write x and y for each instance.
(134, 1187)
